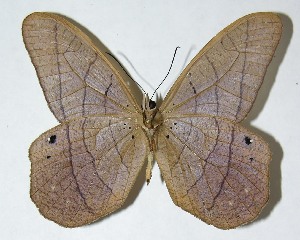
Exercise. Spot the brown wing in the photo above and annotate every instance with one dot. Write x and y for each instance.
(84, 169)
(225, 76)
(76, 78)
(214, 168)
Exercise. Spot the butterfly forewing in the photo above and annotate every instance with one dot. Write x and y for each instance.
(225, 76)
(214, 168)
(76, 78)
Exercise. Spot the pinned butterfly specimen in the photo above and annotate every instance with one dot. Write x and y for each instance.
(83, 169)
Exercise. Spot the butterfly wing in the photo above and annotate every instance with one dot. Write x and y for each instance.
(225, 76)
(84, 168)
(76, 78)
(214, 168)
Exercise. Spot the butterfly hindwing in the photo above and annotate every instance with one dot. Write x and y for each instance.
(84, 169)
(214, 169)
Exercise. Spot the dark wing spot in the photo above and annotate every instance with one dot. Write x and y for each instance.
(168, 136)
(251, 159)
(48, 157)
(248, 140)
(132, 136)
(193, 87)
(51, 139)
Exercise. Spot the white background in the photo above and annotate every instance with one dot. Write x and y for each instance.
(143, 35)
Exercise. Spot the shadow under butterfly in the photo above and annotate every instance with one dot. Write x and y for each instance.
(83, 169)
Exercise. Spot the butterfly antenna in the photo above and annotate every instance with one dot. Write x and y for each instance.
(125, 71)
(167, 73)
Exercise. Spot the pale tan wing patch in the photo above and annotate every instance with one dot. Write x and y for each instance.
(225, 76)
(76, 78)
(214, 169)
(84, 169)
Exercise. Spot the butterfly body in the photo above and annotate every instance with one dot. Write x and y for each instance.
(214, 168)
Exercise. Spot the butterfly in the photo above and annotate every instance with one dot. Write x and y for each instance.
(214, 168)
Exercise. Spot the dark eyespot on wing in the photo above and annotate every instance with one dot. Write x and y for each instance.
(52, 139)
(248, 140)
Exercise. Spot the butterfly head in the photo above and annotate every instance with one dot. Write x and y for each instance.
(151, 114)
